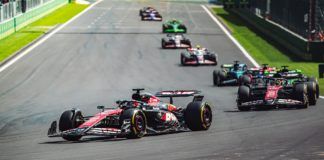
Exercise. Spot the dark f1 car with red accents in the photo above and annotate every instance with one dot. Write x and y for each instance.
(198, 56)
(268, 93)
(175, 41)
(144, 114)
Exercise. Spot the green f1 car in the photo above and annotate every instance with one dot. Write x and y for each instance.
(296, 76)
(174, 26)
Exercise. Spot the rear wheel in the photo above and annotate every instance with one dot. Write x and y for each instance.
(137, 121)
(198, 116)
(245, 79)
(70, 119)
(311, 92)
(213, 58)
(313, 79)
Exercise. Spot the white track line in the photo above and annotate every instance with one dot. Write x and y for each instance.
(247, 55)
(20, 55)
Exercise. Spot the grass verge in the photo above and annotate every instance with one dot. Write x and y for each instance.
(23, 37)
(261, 49)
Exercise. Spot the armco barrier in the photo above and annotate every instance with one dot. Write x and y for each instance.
(10, 26)
(296, 45)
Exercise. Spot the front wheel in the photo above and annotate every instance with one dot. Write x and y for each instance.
(163, 43)
(300, 93)
(70, 119)
(216, 79)
(137, 122)
(198, 116)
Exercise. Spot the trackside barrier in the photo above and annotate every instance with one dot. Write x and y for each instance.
(321, 70)
(12, 25)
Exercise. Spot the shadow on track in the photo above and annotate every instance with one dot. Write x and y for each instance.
(105, 139)
(264, 110)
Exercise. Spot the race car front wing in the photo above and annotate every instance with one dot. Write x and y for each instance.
(90, 131)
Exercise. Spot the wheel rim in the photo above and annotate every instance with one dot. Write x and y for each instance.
(78, 120)
(207, 116)
(139, 123)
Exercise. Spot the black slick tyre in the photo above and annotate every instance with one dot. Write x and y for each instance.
(216, 79)
(183, 59)
(313, 79)
(243, 96)
(198, 116)
(70, 119)
(311, 92)
(300, 93)
(163, 43)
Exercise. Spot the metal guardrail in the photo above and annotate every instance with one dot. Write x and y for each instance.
(33, 13)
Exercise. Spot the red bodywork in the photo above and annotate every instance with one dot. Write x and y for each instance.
(272, 92)
(100, 116)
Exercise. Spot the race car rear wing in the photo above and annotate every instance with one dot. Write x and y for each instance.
(227, 66)
(181, 93)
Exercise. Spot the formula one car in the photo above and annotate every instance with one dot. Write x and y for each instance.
(265, 70)
(229, 74)
(147, 10)
(144, 114)
(174, 26)
(296, 76)
(198, 56)
(175, 41)
(257, 72)
(153, 16)
(269, 93)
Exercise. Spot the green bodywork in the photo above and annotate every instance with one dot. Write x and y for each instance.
(173, 26)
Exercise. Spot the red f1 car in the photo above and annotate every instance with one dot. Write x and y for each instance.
(270, 93)
(144, 114)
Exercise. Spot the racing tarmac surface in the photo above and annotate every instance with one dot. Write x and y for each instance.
(100, 56)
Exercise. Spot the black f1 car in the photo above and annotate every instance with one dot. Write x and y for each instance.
(175, 41)
(150, 14)
(198, 56)
(144, 114)
(271, 93)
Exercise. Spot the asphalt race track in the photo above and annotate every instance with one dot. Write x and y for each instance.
(100, 56)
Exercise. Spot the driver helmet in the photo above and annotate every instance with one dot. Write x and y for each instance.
(145, 98)
(278, 82)
(198, 47)
(236, 67)
(136, 97)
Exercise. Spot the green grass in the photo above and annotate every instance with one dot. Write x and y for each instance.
(23, 37)
(261, 48)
